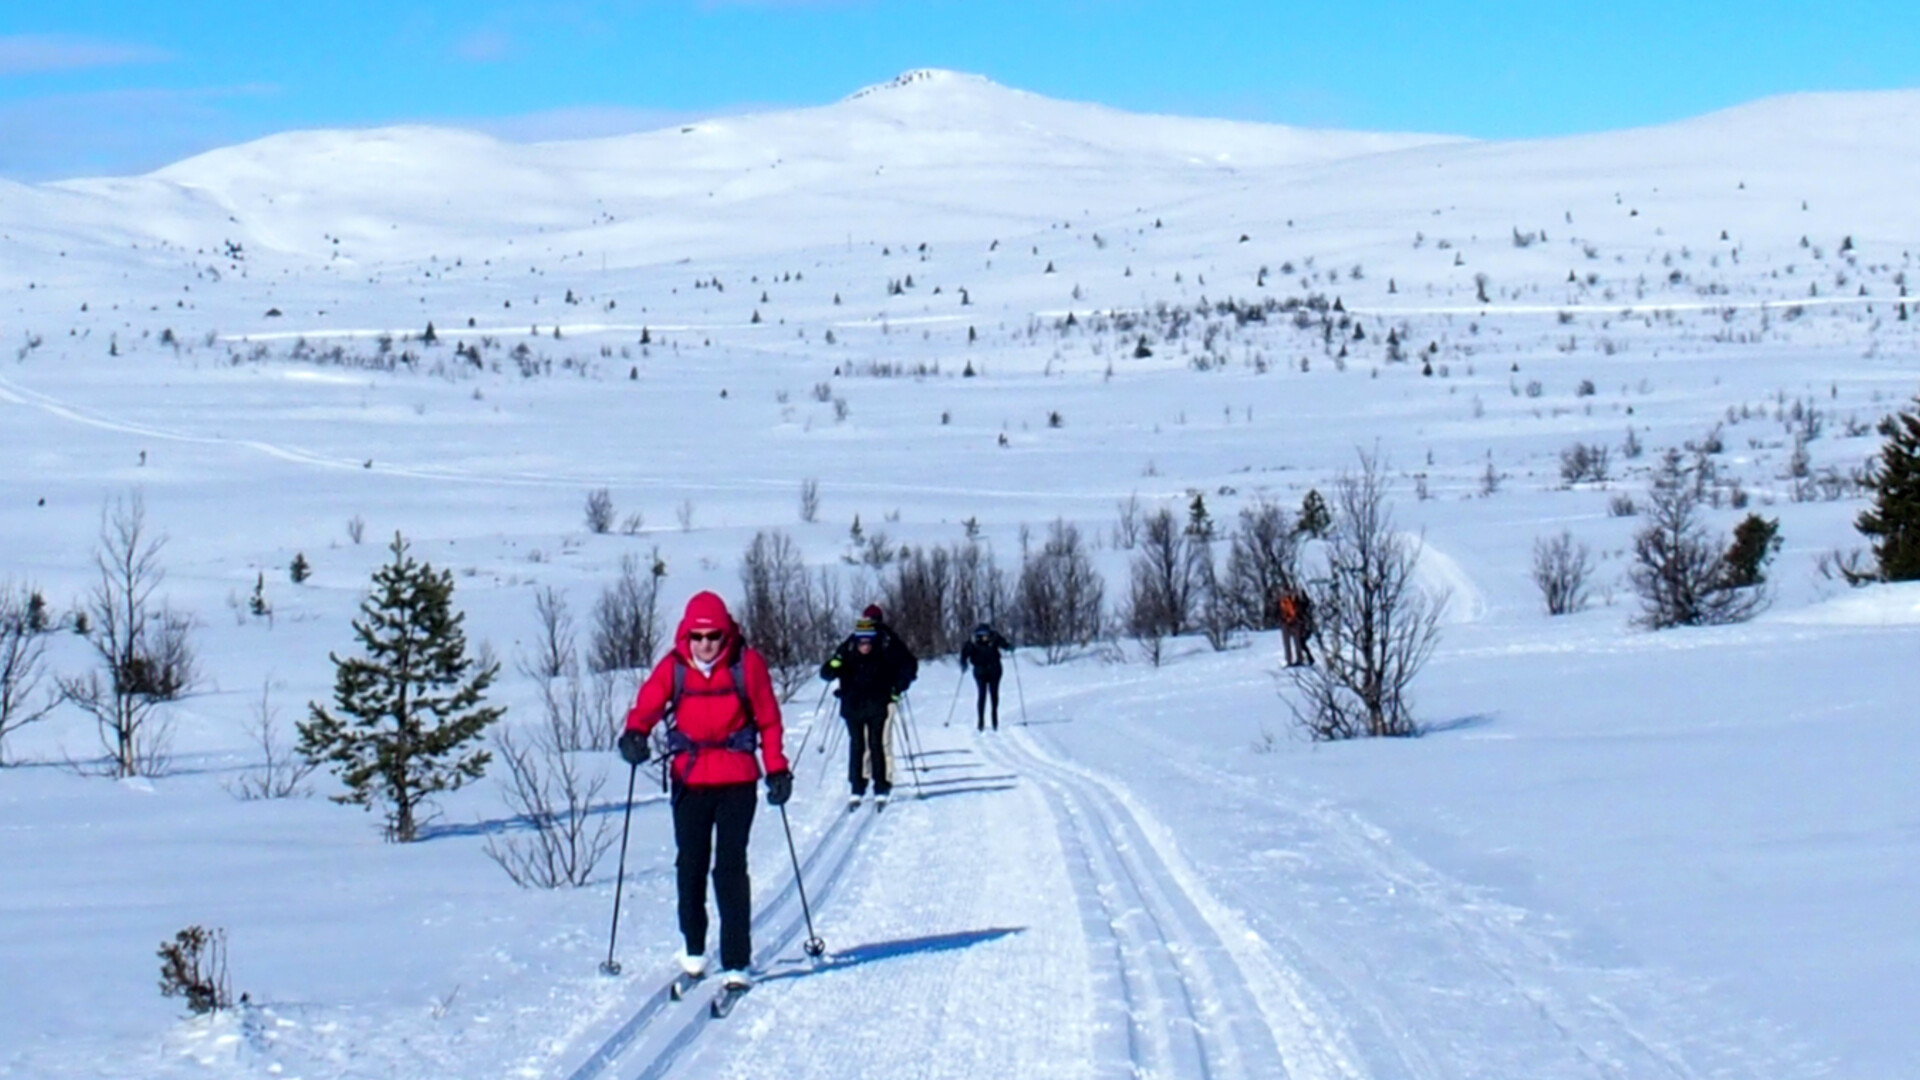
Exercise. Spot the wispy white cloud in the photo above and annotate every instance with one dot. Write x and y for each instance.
(31, 54)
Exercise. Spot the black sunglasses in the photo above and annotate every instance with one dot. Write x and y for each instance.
(705, 635)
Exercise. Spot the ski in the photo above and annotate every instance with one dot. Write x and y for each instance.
(683, 985)
(725, 1000)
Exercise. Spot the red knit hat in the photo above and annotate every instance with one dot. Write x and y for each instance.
(873, 612)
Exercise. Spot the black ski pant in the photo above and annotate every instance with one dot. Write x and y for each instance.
(867, 739)
(710, 826)
(988, 687)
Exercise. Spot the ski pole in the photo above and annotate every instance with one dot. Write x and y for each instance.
(611, 966)
(1018, 687)
(828, 742)
(914, 759)
(957, 683)
(814, 946)
(915, 745)
(817, 706)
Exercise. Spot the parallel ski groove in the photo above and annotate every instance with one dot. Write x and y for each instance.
(832, 844)
(1191, 975)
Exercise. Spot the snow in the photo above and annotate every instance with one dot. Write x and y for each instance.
(1614, 853)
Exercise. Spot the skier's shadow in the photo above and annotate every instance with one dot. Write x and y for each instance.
(887, 950)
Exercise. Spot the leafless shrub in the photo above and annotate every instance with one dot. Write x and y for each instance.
(283, 772)
(683, 514)
(599, 511)
(1374, 626)
(1262, 558)
(1621, 505)
(23, 649)
(809, 501)
(633, 523)
(143, 649)
(194, 966)
(558, 837)
(356, 528)
(1167, 577)
(1852, 566)
(1584, 462)
(1126, 531)
(1058, 598)
(1219, 615)
(1561, 567)
(916, 591)
(553, 643)
(791, 616)
(979, 593)
(626, 618)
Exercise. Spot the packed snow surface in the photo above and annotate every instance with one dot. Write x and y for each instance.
(960, 309)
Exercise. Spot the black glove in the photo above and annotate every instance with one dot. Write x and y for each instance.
(779, 787)
(634, 749)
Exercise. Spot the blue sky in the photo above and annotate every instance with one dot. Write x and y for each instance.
(92, 87)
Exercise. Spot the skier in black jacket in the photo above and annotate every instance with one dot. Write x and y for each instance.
(873, 669)
(982, 652)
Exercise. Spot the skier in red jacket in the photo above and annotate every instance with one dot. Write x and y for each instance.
(719, 702)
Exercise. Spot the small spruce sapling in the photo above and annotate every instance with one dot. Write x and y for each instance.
(407, 713)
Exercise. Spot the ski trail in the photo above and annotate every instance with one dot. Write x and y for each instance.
(777, 926)
(1200, 993)
(956, 949)
(13, 393)
(1442, 981)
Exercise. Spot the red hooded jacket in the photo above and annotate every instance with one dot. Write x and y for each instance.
(710, 708)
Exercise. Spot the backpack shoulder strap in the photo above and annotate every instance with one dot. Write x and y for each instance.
(679, 686)
(738, 669)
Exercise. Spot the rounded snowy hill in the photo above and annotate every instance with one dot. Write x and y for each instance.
(935, 150)
(938, 156)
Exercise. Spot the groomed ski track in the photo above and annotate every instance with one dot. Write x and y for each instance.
(1057, 943)
(1029, 915)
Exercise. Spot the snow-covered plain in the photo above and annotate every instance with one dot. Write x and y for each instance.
(1614, 853)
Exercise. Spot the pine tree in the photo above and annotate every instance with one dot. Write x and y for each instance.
(406, 713)
(1755, 541)
(1894, 521)
(1199, 521)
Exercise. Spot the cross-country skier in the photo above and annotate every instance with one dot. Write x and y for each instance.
(1296, 624)
(874, 667)
(982, 653)
(719, 700)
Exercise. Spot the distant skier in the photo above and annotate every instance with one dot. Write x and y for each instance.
(982, 653)
(874, 668)
(1296, 624)
(719, 701)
